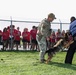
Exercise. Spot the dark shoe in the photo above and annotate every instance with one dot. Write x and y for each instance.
(43, 60)
(68, 63)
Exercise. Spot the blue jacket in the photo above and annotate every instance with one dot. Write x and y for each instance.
(72, 28)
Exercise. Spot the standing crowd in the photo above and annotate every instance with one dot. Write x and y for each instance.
(26, 39)
(12, 37)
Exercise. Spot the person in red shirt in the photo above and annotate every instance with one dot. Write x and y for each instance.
(63, 33)
(18, 28)
(17, 35)
(25, 38)
(53, 39)
(12, 32)
(0, 37)
(58, 35)
(33, 33)
(5, 37)
(28, 37)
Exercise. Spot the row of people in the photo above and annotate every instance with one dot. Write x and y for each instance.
(14, 37)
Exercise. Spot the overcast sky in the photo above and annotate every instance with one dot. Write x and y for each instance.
(37, 9)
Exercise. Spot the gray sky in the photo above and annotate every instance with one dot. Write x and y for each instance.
(37, 9)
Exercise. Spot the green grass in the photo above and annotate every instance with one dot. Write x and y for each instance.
(27, 63)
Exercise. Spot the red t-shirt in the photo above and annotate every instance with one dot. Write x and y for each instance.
(13, 32)
(5, 35)
(26, 36)
(33, 34)
(17, 35)
(53, 38)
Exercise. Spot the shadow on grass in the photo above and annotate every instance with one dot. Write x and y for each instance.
(68, 66)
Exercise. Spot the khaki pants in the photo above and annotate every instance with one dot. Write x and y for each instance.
(42, 46)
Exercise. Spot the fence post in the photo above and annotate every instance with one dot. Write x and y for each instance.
(60, 25)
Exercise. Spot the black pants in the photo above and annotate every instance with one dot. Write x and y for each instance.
(70, 53)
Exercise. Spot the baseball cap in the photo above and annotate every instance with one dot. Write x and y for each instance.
(51, 15)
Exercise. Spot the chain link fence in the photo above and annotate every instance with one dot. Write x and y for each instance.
(29, 24)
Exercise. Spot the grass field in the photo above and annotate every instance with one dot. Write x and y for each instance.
(27, 63)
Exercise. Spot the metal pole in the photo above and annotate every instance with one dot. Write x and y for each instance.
(60, 24)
